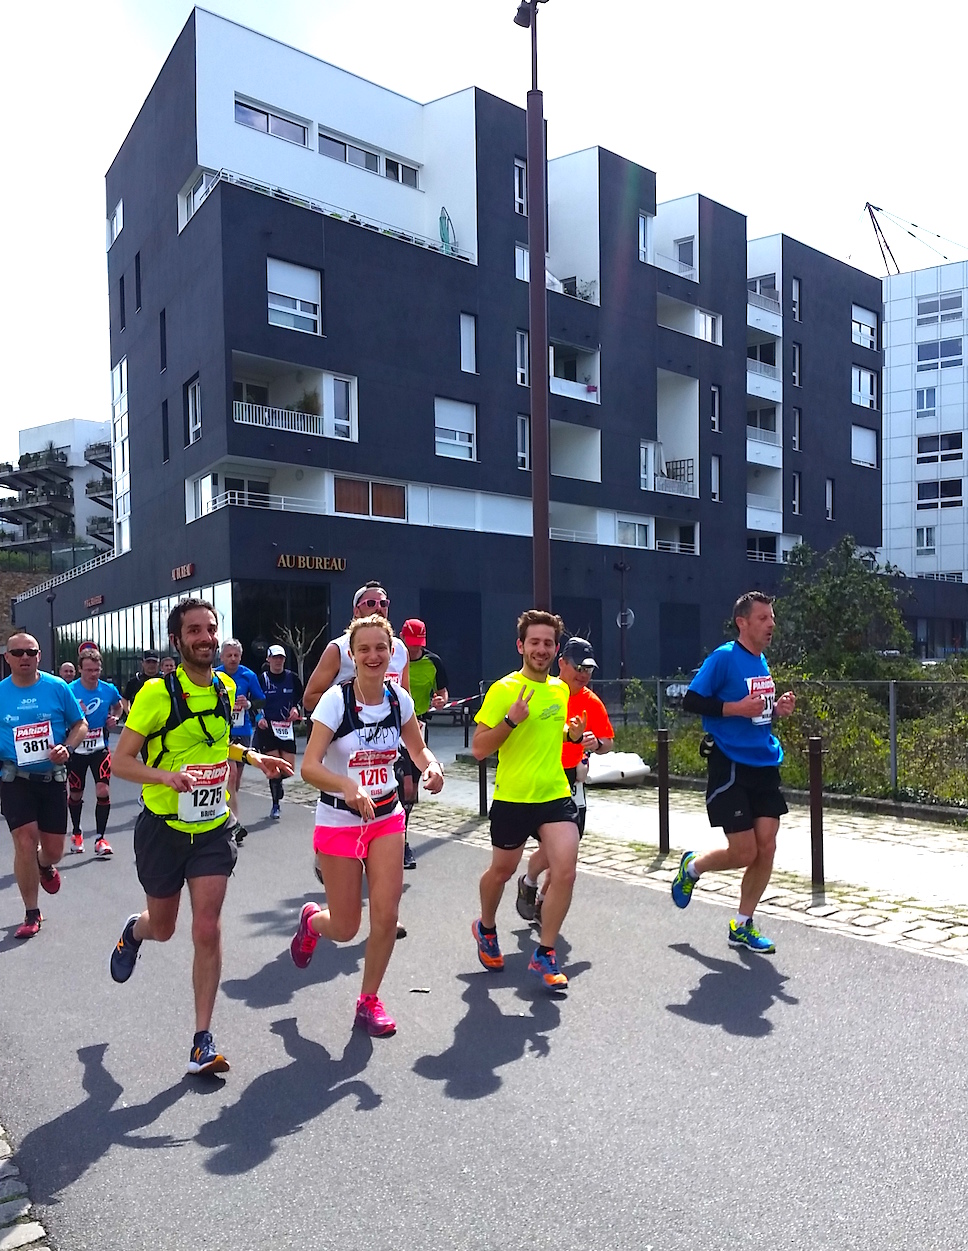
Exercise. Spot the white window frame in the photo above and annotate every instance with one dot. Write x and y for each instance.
(468, 343)
(938, 454)
(520, 187)
(926, 407)
(193, 398)
(523, 430)
(115, 223)
(406, 175)
(709, 326)
(796, 368)
(522, 263)
(795, 493)
(522, 357)
(284, 305)
(940, 498)
(863, 326)
(924, 540)
(335, 427)
(273, 115)
(716, 478)
(715, 407)
(797, 418)
(640, 536)
(678, 243)
(196, 194)
(948, 307)
(449, 439)
(646, 244)
(120, 455)
(863, 389)
(829, 499)
(795, 298)
(944, 359)
(860, 435)
(645, 457)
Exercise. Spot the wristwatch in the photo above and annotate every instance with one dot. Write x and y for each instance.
(508, 722)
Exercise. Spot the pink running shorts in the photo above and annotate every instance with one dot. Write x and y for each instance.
(354, 841)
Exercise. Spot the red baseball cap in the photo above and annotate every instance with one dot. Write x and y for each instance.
(414, 631)
(88, 646)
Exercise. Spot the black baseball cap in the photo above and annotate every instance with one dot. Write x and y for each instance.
(580, 653)
(150, 655)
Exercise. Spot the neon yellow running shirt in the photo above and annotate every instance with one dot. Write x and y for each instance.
(529, 769)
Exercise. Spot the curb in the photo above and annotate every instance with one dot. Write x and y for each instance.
(18, 1228)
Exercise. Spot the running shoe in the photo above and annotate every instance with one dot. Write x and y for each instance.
(545, 964)
(241, 834)
(203, 1058)
(409, 859)
(102, 848)
(538, 905)
(488, 951)
(373, 1017)
(31, 926)
(682, 883)
(749, 936)
(125, 953)
(77, 844)
(275, 813)
(527, 897)
(304, 940)
(49, 877)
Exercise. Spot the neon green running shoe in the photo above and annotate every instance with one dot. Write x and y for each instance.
(749, 936)
(682, 883)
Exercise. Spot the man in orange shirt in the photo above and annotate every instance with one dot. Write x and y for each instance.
(576, 664)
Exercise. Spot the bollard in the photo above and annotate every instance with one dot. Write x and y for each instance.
(662, 764)
(467, 724)
(815, 748)
(482, 786)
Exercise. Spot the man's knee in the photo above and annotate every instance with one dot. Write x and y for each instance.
(102, 792)
(162, 930)
(743, 849)
(76, 796)
(502, 870)
(206, 930)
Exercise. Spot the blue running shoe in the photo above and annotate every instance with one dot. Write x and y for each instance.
(488, 950)
(682, 883)
(545, 964)
(204, 1058)
(275, 813)
(748, 936)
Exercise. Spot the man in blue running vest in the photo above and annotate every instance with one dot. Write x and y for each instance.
(735, 695)
(249, 696)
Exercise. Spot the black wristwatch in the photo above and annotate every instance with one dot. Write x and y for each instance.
(508, 722)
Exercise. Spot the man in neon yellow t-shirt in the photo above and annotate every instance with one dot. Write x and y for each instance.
(176, 744)
(524, 719)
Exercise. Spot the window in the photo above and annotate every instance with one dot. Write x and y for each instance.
(121, 467)
(251, 491)
(249, 392)
(795, 434)
(115, 222)
(708, 326)
(137, 282)
(764, 284)
(933, 448)
(162, 342)
(197, 193)
(363, 158)
(686, 251)
(863, 389)
(397, 171)
(797, 365)
(715, 401)
(924, 540)
(632, 533)
(795, 300)
(522, 263)
(645, 456)
(360, 498)
(715, 476)
(121, 301)
(270, 123)
(343, 424)
(193, 411)
(927, 401)
(761, 547)
(944, 352)
(468, 343)
(934, 309)
(763, 421)
(795, 493)
(829, 499)
(947, 493)
(863, 446)
(521, 348)
(164, 432)
(524, 441)
(455, 429)
(294, 296)
(521, 187)
(645, 237)
(863, 326)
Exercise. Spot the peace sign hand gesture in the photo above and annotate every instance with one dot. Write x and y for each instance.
(519, 710)
(576, 727)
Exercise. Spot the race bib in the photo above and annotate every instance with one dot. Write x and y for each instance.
(393, 677)
(764, 687)
(33, 742)
(208, 800)
(578, 794)
(92, 743)
(372, 771)
(283, 731)
(238, 718)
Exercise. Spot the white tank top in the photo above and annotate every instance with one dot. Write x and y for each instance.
(347, 669)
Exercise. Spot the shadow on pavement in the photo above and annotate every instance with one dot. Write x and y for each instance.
(734, 996)
(55, 1155)
(279, 1103)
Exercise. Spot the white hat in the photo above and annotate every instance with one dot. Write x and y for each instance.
(276, 650)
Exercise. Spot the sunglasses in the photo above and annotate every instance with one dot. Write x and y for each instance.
(374, 603)
(23, 651)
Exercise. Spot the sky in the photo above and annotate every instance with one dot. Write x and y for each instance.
(795, 115)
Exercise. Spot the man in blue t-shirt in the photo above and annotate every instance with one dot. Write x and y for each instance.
(736, 697)
(101, 704)
(40, 721)
(249, 695)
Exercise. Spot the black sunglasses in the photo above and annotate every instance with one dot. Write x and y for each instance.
(23, 651)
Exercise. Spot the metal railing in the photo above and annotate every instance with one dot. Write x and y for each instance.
(767, 503)
(674, 486)
(276, 503)
(763, 301)
(769, 558)
(762, 368)
(573, 536)
(672, 266)
(759, 435)
(68, 576)
(99, 486)
(278, 419)
(675, 545)
(101, 450)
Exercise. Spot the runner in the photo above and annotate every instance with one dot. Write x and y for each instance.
(359, 821)
(182, 722)
(523, 719)
(248, 695)
(67, 672)
(336, 664)
(40, 721)
(168, 665)
(101, 703)
(428, 683)
(148, 670)
(274, 729)
(576, 664)
(736, 696)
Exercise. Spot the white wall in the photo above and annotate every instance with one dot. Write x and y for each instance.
(449, 174)
(677, 416)
(573, 221)
(677, 219)
(765, 256)
(73, 435)
(576, 451)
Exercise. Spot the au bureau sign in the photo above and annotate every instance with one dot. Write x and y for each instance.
(318, 564)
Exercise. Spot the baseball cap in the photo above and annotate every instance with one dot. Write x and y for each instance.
(149, 655)
(276, 650)
(87, 646)
(414, 631)
(580, 653)
(367, 590)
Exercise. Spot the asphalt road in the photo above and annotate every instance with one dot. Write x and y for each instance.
(683, 1095)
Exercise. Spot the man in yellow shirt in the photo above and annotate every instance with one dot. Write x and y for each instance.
(176, 744)
(524, 719)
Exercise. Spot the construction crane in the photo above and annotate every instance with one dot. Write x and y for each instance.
(908, 228)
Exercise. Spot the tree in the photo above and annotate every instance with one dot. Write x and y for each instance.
(295, 638)
(839, 613)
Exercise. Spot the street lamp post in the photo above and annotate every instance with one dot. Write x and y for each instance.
(51, 596)
(622, 568)
(527, 15)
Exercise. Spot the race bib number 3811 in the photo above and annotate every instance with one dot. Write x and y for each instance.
(764, 687)
(33, 743)
(208, 800)
(373, 771)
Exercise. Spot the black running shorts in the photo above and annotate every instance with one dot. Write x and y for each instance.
(166, 858)
(736, 794)
(513, 824)
(24, 802)
(99, 762)
(266, 741)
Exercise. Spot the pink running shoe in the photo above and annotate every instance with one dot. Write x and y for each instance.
(372, 1016)
(304, 942)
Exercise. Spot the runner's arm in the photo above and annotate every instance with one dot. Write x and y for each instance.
(315, 772)
(322, 677)
(126, 763)
(75, 734)
(420, 754)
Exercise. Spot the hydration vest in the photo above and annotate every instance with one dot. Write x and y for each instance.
(180, 713)
(351, 718)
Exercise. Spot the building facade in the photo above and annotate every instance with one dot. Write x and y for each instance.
(319, 338)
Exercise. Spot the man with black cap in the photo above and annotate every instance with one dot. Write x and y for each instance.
(576, 665)
(148, 670)
(274, 734)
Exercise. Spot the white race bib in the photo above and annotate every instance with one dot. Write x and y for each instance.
(283, 731)
(238, 718)
(92, 743)
(33, 742)
(372, 771)
(764, 687)
(208, 800)
(578, 794)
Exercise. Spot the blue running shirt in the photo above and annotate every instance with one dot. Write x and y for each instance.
(248, 686)
(35, 718)
(730, 673)
(96, 705)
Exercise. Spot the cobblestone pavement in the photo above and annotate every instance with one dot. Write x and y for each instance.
(18, 1229)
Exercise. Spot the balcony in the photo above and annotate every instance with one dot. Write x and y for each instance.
(573, 536)
(50, 502)
(762, 369)
(99, 454)
(100, 489)
(678, 479)
(36, 470)
(288, 419)
(277, 503)
(762, 436)
(769, 303)
(102, 529)
(672, 266)
(586, 391)
(574, 372)
(764, 502)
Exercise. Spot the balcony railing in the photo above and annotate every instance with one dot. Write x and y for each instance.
(672, 266)
(675, 545)
(100, 527)
(759, 435)
(278, 503)
(573, 536)
(769, 557)
(279, 419)
(763, 301)
(98, 452)
(68, 576)
(761, 367)
(586, 391)
(767, 503)
(674, 486)
(99, 486)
